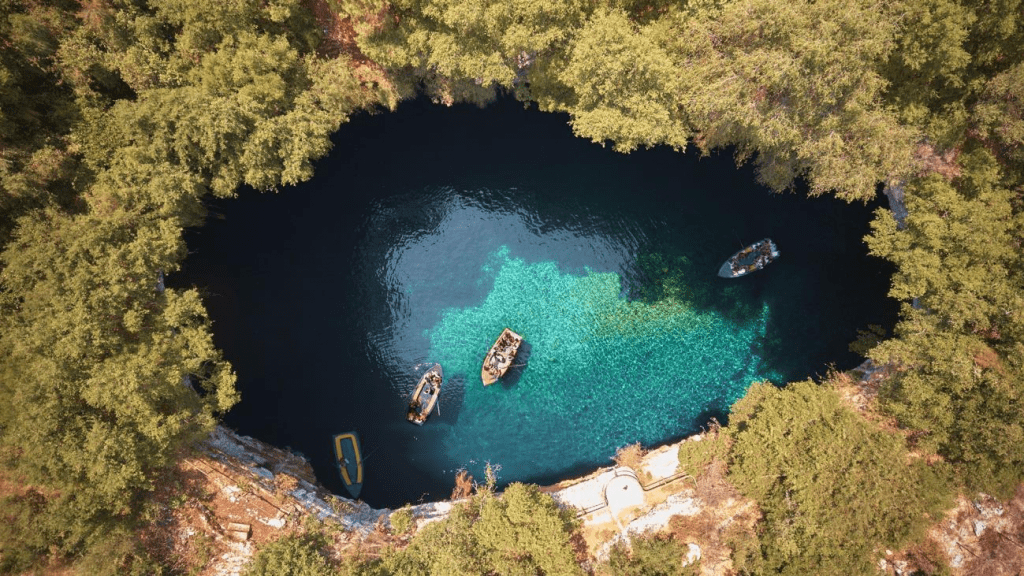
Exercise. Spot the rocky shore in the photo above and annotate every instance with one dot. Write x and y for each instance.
(269, 492)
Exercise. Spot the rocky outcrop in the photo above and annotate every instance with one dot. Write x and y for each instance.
(274, 490)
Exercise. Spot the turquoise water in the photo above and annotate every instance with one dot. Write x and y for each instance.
(629, 336)
(595, 365)
(429, 230)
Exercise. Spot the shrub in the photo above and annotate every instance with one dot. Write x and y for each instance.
(650, 556)
(292, 555)
(401, 520)
(833, 487)
(523, 531)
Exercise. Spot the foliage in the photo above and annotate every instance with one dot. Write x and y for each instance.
(490, 42)
(796, 84)
(962, 350)
(245, 107)
(649, 555)
(35, 112)
(521, 532)
(401, 520)
(695, 456)
(947, 51)
(119, 118)
(32, 522)
(999, 117)
(833, 488)
(292, 555)
(867, 339)
(625, 85)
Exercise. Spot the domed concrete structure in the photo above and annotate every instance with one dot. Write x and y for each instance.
(623, 491)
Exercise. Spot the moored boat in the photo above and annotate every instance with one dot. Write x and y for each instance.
(499, 358)
(425, 396)
(750, 259)
(350, 461)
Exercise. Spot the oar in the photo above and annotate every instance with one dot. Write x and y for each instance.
(364, 458)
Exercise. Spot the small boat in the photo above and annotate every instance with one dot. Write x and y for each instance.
(350, 461)
(750, 259)
(499, 358)
(425, 396)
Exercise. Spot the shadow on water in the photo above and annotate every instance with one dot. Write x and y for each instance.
(720, 414)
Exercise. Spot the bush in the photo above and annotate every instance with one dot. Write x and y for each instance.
(833, 487)
(694, 456)
(520, 532)
(401, 520)
(650, 556)
(292, 555)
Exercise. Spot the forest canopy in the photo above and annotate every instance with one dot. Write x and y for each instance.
(119, 117)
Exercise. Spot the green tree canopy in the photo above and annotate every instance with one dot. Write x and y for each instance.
(105, 378)
(962, 350)
(489, 41)
(834, 488)
(625, 85)
(521, 532)
(797, 84)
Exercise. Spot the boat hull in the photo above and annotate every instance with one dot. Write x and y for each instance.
(750, 259)
(350, 461)
(499, 358)
(425, 396)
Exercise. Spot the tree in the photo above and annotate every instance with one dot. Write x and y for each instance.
(35, 113)
(998, 118)
(798, 85)
(834, 488)
(521, 532)
(649, 555)
(105, 378)
(624, 85)
(292, 555)
(960, 350)
(490, 42)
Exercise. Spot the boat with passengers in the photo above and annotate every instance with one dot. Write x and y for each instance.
(425, 396)
(750, 259)
(499, 358)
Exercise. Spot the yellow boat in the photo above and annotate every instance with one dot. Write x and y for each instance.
(350, 461)
(499, 358)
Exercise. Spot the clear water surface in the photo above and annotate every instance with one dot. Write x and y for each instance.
(427, 231)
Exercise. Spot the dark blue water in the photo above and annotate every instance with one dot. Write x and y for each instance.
(430, 229)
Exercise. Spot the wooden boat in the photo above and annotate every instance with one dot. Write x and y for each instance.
(499, 358)
(425, 396)
(350, 461)
(750, 259)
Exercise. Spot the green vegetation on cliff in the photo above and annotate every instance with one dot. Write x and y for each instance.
(117, 117)
(833, 487)
(959, 354)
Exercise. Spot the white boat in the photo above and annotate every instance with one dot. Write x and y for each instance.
(750, 259)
